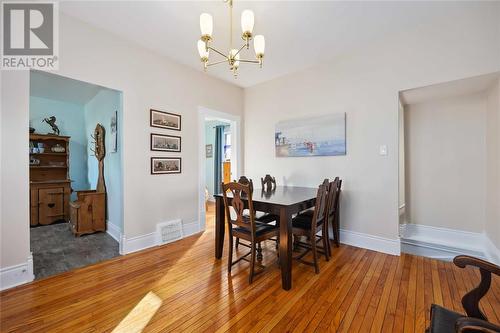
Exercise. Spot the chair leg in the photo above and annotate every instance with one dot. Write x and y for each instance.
(252, 264)
(237, 242)
(326, 243)
(336, 228)
(230, 256)
(259, 252)
(315, 254)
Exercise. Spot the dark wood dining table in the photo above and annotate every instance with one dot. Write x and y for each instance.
(283, 201)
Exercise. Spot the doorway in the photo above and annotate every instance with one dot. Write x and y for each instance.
(219, 156)
(76, 202)
(449, 168)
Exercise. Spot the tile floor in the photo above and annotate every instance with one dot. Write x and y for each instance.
(56, 250)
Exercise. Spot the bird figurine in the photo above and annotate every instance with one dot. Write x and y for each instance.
(52, 122)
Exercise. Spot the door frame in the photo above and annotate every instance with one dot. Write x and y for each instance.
(236, 157)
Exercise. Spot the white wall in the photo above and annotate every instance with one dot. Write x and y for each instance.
(365, 85)
(14, 224)
(446, 163)
(493, 164)
(147, 81)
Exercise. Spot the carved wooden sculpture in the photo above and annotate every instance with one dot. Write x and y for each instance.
(88, 212)
(99, 153)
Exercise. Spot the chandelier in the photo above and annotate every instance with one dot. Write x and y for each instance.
(232, 57)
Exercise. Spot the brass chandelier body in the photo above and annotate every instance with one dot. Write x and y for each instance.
(232, 57)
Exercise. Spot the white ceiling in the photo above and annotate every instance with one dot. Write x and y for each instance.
(467, 86)
(299, 34)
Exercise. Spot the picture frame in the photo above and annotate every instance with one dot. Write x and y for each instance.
(166, 165)
(114, 132)
(311, 136)
(209, 151)
(165, 120)
(166, 143)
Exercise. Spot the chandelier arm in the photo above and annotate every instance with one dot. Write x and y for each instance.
(241, 48)
(219, 52)
(216, 63)
(250, 61)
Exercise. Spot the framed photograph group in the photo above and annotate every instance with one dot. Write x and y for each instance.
(165, 143)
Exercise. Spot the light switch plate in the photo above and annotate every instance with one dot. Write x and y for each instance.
(383, 150)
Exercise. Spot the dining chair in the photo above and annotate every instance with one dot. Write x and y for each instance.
(244, 227)
(268, 183)
(447, 321)
(334, 212)
(259, 216)
(330, 198)
(309, 226)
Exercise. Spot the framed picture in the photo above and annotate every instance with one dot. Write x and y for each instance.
(114, 130)
(312, 136)
(165, 120)
(165, 165)
(209, 151)
(161, 142)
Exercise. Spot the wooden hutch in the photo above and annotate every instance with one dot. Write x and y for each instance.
(50, 186)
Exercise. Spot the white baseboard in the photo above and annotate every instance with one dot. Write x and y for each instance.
(138, 243)
(16, 275)
(114, 231)
(189, 229)
(444, 243)
(491, 251)
(375, 243)
(458, 239)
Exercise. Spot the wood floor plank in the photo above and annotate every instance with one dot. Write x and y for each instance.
(181, 287)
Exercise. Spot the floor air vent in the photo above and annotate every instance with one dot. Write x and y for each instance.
(169, 231)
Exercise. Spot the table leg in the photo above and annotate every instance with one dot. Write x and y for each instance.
(219, 227)
(286, 248)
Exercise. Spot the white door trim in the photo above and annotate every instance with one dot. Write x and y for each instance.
(236, 158)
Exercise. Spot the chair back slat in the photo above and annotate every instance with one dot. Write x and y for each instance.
(268, 182)
(319, 209)
(333, 197)
(239, 192)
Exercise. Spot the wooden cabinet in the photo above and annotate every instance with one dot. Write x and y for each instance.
(49, 202)
(50, 186)
(88, 212)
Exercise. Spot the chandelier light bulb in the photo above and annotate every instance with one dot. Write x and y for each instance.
(259, 45)
(247, 22)
(202, 50)
(206, 26)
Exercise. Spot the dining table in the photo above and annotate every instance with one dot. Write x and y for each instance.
(283, 201)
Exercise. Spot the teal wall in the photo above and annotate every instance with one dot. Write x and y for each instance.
(99, 110)
(70, 118)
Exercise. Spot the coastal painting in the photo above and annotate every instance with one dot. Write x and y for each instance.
(312, 136)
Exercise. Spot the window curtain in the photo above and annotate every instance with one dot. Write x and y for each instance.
(218, 157)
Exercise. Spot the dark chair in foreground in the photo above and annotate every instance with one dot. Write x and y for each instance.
(242, 226)
(259, 216)
(445, 321)
(309, 226)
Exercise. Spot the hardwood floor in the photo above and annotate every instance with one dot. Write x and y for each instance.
(181, 287)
